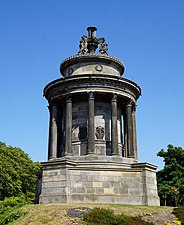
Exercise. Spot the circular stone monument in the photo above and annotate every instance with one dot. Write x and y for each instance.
(92, 155)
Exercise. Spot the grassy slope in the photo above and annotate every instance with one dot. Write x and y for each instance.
(56, 213)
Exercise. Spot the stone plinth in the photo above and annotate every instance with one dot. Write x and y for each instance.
(93, 179)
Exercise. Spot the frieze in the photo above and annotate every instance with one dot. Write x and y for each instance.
(66, 85)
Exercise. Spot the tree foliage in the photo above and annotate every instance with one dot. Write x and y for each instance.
(171, 178)
(18, 173)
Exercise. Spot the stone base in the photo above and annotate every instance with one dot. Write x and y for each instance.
(96, 179)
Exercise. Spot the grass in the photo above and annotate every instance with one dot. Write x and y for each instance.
(56, 213)
(134, 210)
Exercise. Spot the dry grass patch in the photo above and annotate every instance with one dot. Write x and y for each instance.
(136, 210)
(57, 213)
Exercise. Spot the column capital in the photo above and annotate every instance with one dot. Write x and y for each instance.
(114, 98)
(91, 95)
(68, 98)
(134, 107)
(52, 105)
(129, 103)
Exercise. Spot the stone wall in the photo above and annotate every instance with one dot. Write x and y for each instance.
(110, 183)
(105, 187)
(54, 186)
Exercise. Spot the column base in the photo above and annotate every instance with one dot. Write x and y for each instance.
(91, 153)
(52, 158)
(132, 157)
(115, 154)
(68, 154)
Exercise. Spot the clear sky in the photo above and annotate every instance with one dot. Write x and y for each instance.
(147, 35)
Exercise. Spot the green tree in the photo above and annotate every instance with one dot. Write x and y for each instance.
(171, 178)
(17, 173)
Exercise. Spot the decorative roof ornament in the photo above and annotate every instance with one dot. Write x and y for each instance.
(91, 43)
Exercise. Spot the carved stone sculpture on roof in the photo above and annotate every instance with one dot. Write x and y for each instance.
(91, 43)
(103, 46)
(83, 45)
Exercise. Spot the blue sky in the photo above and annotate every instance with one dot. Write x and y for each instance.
(147, 35)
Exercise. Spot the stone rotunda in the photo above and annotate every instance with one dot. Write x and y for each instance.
(92, 155)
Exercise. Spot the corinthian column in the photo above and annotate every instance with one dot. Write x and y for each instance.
(52, 153)
(91, 134)
(114, 131)
(125, 134)
(134, 131)
(68, 131)
(129, 130)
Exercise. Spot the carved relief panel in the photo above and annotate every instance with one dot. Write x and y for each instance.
(99, 132)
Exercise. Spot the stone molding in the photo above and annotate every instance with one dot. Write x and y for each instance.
(144, 165)
(63, 86)
(93, 159)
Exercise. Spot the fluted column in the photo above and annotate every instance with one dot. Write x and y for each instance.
(130, 149)
(68, 131)
(114, 131)
(52, 154)
(134, 131)
(91, 126)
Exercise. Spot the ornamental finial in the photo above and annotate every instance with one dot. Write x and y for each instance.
(91, 43)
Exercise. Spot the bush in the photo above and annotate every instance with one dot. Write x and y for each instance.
(18, 173)
(13, 201)
(10, 209)
(101, 216)
(10, 216)
(179, 212)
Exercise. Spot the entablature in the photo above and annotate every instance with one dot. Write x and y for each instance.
(85, 83)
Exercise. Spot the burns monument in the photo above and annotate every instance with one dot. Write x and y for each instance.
(92, 154)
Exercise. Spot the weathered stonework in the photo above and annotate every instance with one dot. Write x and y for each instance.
(115, 181)
(92, 156)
